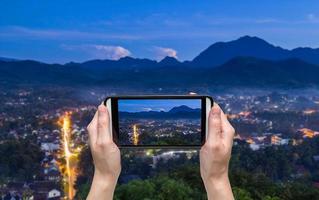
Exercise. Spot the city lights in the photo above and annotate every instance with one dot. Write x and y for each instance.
(68, 168)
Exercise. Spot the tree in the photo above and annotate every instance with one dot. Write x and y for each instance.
(241, 194)
(300, 191)
(136, 190)
(190, 175)
(270, 198)
(159, 188)
(20, 160)
(170, 189)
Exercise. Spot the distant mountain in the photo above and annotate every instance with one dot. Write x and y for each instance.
(169, 61)
(7, 59)
(240, 71)
(274, 69)
(126, 62)
(181, 109)
(248, 71)
(248, 46)
(217, 54)
(36, 73)
(176, 112)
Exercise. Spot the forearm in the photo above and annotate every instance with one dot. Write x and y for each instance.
(102, 188)
(219, 189)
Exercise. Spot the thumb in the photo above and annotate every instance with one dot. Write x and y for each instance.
(214, 125)
(103, 124)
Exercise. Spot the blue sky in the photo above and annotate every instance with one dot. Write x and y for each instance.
(156, 105)
(68, 30)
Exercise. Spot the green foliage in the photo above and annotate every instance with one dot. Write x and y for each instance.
(172, 189)
(300, 191)
(241, 194)
(258, 185)
(270, 198)
(136, 190)
(190, 175)
(161, 188)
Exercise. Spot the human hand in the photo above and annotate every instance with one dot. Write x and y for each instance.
(215, 155)
(106, 156)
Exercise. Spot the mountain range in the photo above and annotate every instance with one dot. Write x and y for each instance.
(221, 52)
(247, 61)
(176, 112)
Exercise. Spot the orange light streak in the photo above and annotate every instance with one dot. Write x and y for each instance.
(135, 135)
(70, 173)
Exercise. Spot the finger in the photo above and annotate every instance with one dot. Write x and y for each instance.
(92, 129)
(228, 130)
(225, 123)
(103, 124)
(214, 125)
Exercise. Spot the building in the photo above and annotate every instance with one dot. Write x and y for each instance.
(275, 140)
(52, 175)
(43, 190)
(54, 194)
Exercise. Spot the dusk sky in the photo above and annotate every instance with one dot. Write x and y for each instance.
(68, 30)
(156, 105)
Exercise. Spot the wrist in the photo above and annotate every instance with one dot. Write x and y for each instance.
(217, 182)
(218, 188)
(215, 178)
(102, 187)
(104, 180)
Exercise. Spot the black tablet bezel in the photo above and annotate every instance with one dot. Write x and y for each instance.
(115, 118)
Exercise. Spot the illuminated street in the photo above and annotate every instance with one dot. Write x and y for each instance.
(68, 168)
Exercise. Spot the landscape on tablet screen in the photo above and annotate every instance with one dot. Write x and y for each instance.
(160, 122)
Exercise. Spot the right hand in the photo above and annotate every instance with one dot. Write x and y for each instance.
(215, 155)
(106, 156)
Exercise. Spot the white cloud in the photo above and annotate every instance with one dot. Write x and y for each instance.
(162, 52)
(100, 51)
(147, 109)
(110, 52)
(61, 34)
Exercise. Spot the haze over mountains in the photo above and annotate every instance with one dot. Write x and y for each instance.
(247, 61)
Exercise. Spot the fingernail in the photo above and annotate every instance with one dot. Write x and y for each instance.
(102, 108)
(215, 111)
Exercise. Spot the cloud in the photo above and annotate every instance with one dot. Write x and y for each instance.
(162, 52)
(147, 109)
(58, 34)
(110, 52)
(100, 51)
